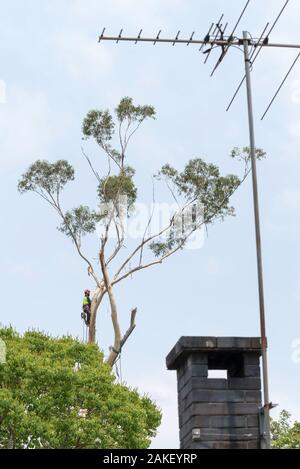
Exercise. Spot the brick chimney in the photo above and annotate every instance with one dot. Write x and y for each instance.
(218, 413)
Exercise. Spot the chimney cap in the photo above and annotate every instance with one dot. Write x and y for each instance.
(187, 345)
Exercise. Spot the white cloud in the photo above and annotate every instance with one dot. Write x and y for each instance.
(24, 127)
(83, 57)
(132, 13)
(78, 47)
(291, 198)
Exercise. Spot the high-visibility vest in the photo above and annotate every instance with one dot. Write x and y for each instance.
(86, 301)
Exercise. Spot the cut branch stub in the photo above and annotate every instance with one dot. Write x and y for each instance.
(115, 353)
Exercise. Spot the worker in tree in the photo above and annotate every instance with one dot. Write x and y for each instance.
(86, 306)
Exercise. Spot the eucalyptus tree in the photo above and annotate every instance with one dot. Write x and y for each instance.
(200, 195)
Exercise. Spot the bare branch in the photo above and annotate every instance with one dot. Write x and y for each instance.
(41, 194)
(114, 353)
(145, 241)
(105, 238)
(109, 153)
(125, 135)
(134, 131)
(131, 327)
(149, 221)
(117, 279)
(172, 192)
(136, 269)
(121, 141)
(77, 244)
(120, 242)
(150, 238)
(114, 312)
(91, 166)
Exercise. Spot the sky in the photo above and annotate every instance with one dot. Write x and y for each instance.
(53, 71)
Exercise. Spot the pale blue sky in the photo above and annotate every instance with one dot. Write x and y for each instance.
(55, 71)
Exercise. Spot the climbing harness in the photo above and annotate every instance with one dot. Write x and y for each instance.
(84, 328)
(118, 352)
(119, 369)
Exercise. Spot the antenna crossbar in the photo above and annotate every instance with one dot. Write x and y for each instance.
(188, 40)
(217, 42)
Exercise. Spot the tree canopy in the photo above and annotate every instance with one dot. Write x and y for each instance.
(285, 433)
(58, 393)
(200, 193)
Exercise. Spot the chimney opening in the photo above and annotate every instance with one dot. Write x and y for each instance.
(217, 374)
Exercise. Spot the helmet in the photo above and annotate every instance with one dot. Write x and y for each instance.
(87, 291)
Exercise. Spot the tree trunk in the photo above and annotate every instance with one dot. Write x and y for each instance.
(96, 301)
(115, 350)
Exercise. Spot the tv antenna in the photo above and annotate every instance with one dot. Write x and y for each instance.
(216, 38)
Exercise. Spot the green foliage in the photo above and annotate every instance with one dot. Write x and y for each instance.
(127, 111)
(100, 126)
(284, 433)
(200, 184)
(202, 181)
(160, 248)
(46, 178)
(112, 188)
(80, 221)
(42, 395)
(243, 154)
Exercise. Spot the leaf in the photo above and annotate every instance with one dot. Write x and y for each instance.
(79, 221)
(127, 110)
(46, 178)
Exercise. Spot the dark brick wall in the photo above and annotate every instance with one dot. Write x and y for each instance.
(225, 410)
